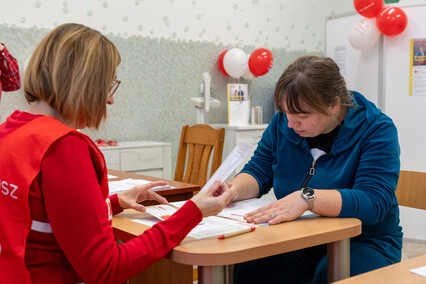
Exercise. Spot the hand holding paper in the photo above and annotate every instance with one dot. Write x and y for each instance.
(231, 162)
(212, 200)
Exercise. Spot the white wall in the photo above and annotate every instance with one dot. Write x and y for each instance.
(295, 25)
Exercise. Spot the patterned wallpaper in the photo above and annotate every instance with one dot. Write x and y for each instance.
(166, 45)
(153, 102)
(270, 23)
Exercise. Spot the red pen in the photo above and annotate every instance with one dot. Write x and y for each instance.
(236, 233)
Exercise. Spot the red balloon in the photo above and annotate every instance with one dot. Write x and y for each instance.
(220, 63)
(368, 8)
(391, 21)
(260, 62)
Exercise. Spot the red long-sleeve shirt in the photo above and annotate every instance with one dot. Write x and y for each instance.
(10, 79)
(81, 247)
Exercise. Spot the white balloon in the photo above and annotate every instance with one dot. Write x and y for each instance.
(364, 34)
(235, 62)
(248, 75)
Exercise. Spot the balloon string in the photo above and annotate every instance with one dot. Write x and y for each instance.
(251, 88)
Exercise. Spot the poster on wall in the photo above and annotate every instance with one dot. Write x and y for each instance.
(340, 56)
(417, 67)
(238, 104)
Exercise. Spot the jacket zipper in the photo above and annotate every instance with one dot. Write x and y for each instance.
(310, 174)
(311, 171)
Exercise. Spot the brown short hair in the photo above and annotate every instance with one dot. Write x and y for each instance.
(313, 80)
(72, 69)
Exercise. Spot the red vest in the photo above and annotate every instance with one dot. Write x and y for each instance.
(21, 153)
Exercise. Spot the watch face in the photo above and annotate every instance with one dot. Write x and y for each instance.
(308, 192)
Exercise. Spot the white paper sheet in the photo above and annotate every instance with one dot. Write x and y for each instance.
(126, 184)
(237, 210)
(209, 226)
(231, 162)
(215, 226)
(162, 212)
(420, 270)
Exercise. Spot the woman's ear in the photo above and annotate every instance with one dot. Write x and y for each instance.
(335, 107)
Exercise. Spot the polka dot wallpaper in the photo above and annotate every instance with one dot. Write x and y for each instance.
(165, 46)
(159, 76)
(270, 23)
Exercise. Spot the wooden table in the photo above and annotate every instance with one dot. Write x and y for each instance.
(177, 273)
(393, 274)
(264, 242)
(181, 190)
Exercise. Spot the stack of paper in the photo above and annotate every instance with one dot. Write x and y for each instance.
(230, 219)
(126, 184)
(213, 225)
(209, 226)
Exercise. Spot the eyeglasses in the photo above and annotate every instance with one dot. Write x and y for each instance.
(114, 86)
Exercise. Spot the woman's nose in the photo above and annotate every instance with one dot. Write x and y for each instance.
(292, 121)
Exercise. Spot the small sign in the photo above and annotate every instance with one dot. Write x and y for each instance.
(238, 104)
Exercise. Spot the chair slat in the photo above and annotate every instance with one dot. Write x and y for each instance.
(199, 144)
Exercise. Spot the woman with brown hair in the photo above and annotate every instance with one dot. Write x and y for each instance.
(55, 208)
(330, 151)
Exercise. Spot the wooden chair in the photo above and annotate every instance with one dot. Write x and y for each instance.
(411, 189)
(411, 192)
(196, 145)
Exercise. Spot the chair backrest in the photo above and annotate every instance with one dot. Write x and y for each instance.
(195, 148)
(411, 189)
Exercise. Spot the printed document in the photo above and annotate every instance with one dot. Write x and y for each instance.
(209, 226)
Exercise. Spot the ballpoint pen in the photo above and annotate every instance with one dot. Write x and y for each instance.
(236, 233)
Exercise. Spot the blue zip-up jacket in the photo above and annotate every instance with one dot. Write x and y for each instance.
(363, 165)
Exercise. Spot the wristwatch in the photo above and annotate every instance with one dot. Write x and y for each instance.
(309, 195)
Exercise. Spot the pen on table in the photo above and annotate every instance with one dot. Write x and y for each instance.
(236, 233)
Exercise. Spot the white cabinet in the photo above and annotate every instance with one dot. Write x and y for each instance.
(250, 134)
(141, 157)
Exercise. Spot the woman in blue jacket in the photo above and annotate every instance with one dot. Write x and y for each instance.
(331, 151)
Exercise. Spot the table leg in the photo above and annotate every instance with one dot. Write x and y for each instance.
(213, 274)
(205, 274)
(338, 260)
(229, 274)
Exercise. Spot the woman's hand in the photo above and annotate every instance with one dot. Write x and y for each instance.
(132, 197)
(214, 199)
(288, 208)
(234, 192)
(243, 186)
